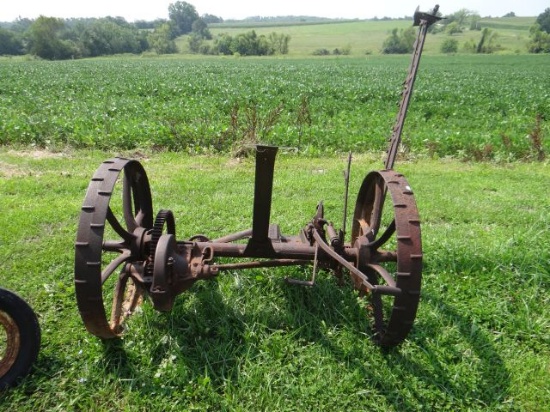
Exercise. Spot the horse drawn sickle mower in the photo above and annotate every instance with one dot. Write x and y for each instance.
(120, 242)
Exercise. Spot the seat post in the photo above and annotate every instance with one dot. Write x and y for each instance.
(259, 243)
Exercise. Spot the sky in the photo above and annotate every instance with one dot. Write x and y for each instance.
(149, 10)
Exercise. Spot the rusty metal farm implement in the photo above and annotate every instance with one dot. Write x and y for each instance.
(120, 240)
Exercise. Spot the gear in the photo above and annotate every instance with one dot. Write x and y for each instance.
(165, 218)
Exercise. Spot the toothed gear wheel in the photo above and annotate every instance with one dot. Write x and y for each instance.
(164, 219)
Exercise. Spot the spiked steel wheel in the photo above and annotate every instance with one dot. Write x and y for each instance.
(390, 251)
(113, 231)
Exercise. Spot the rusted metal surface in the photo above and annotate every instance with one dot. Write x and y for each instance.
(372, 231)
(9, 329)
(119, 248)
(146, 259)
(132, 225)
(259, 244)
(424, 20)
(19, 338)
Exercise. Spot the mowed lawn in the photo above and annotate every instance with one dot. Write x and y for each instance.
(249, 341)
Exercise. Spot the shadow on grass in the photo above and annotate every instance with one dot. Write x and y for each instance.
(216, 344)
(202, 337)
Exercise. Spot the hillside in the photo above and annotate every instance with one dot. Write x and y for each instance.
(367, 36)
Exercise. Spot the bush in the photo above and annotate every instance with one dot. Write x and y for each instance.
(401, 42)
(449, 46)
(321, 52)
(539, 40)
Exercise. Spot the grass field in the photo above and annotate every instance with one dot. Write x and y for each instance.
(367, 37)
(248, 341)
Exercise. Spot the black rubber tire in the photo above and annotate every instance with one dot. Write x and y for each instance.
(22, 334)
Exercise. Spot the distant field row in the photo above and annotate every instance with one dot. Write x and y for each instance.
(475, 107)
(366, 37)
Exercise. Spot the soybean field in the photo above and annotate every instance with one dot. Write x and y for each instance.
(468, 107)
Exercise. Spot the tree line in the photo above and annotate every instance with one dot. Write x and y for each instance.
(57, 39)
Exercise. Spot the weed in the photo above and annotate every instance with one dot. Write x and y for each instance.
(303, 118)
(253, 129)
(536, 137)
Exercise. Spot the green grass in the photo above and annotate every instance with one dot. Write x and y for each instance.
(361, 36)
(248, 341)
(367, 36)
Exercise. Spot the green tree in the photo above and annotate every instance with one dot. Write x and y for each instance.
(453, 28)
(463, 18)
(543, 20)
(108, 36)
(474, 22)
(222, 44)
(399, 42)
(21, 25)
(195, 41)
(539, 40)
(487, 42)
(460, 17)
(210, 18)
(161, 40)
(250, 44)
(200, 28)
(449, 46)
(45, 39)
(182, 15)
(10, 43)
(279, 42)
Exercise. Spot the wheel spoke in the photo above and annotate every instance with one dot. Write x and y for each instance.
(115, 246)
(128, 204)
(113, 265)
(383, 273)
(117, 227)
(388, 233)
(140, 217)
(126, 298)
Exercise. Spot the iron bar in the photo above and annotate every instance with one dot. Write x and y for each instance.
(424, 20)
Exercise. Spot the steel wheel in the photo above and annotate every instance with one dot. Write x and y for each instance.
(386, 231)
(111, 251)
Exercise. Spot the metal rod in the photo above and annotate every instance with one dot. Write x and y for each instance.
(424, 20)
(346, 194)
(382, 289)
(263, 264)
(234, 236)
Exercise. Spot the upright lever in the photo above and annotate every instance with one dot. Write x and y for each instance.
(424, 20)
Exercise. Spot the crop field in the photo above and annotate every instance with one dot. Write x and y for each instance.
(471, 107)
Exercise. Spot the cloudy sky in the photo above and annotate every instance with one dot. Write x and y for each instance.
(237, 9)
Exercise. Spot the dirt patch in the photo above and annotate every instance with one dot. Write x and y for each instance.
(37, 154)
(9, 169)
